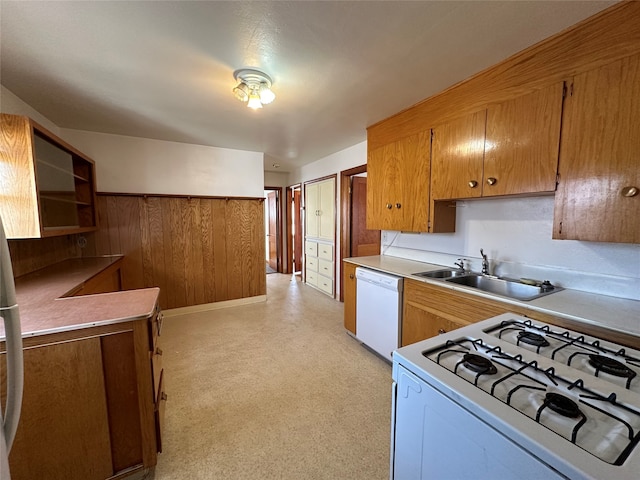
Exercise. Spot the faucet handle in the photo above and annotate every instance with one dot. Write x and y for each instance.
(460, 263)
(485, 263)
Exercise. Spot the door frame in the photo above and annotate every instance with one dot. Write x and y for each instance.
(345, 215)
(278, 191)
(288, 267)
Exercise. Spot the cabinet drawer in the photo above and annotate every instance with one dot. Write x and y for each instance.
(312, 278)
(325, 251)
(312, 264)
(325, 268)
(325, 284)
(311, 248)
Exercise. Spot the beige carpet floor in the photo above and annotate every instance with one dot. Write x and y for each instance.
(274, 390)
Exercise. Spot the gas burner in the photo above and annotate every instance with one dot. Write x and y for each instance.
(532, 338)
(610, 366)
(562, 405)
(478, 363)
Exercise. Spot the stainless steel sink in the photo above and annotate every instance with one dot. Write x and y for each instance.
(504, 287)
(444, 273)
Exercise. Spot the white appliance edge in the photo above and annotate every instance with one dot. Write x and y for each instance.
(13, 339)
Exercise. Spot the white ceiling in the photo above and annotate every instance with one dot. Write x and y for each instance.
(164, 69)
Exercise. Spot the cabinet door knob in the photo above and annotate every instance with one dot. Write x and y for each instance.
(473, 184)
(492, 180)
(629, 191)
(351, 276)
(441, 331)
(389, 206)
(398, 205)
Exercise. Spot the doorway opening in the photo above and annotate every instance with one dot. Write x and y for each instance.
(273, 229)
(294, 230)
(355, 239)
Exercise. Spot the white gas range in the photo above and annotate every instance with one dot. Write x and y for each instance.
(512, 398)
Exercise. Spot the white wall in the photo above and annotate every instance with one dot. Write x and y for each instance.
(141, 165)
(515, 233)
(276, 179)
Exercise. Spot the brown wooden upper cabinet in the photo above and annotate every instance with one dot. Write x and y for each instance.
(598, 195)
(48, 187)
(509, 148)
(398, 185)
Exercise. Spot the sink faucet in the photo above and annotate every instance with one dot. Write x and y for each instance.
(460, 264)
(485, 263)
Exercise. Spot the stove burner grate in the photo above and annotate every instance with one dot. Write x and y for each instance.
(562, 405)
(531, 338)
(479, 364)
(610, 366)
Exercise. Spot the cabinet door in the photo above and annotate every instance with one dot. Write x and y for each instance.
(457, 157)
(382, 177)
(311, 209)
(349, 290)
(398, 185)
(428, 309)
(326, 219)
(599, 166)
(522, 141)
(63, 432)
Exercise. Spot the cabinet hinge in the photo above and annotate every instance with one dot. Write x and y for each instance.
(557, 179)
(560, 227)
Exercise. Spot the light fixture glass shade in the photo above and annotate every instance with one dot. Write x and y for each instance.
(254, 87)
(241, 92)
(266, 94)
(254, 100)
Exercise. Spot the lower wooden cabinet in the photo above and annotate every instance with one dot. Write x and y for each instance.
(349, 290)
(429, 310)
(109, 280)
(93, 402)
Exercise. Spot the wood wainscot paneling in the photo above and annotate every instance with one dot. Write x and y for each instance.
(29, 255)
(198, 250)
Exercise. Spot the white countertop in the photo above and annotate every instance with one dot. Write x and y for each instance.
(610, 313)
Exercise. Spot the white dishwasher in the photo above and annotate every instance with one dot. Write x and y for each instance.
(378, 310)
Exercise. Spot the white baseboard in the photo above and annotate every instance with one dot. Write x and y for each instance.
(205, 307)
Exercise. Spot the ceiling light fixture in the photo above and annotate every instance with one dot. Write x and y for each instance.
(254, 87)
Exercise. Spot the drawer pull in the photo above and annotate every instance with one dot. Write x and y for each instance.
(629, 191)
